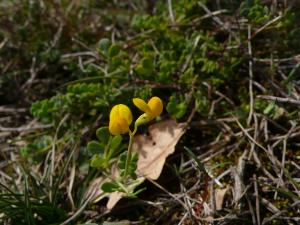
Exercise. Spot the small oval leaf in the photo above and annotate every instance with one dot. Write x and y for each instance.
(110, 187)
(102, 134)
(95, 147)
(115, 142)
(98, 162)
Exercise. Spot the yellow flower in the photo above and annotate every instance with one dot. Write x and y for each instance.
(119, 119)
(152, 109)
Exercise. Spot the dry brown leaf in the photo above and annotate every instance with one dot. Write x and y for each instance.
(154, 148)
(113, 199)
(219, 196)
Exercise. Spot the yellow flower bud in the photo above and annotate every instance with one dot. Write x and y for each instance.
(120, 119)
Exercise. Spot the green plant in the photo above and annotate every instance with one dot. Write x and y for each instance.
(108, 148)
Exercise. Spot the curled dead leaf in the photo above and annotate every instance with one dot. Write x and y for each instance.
(154, 148)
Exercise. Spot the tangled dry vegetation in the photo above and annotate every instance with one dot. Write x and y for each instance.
(226, 70)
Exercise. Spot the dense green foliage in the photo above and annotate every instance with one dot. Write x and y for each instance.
(71, 61)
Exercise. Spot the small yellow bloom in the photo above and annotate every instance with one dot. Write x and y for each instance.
(120, 119)
(152, 109)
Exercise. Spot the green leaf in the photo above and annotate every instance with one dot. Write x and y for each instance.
(115, 142)
(117, 63)
(201, 103)
(122, 161)
(140, 70)
(114, 50)
(95, 147)
(104, 46)
(132, 164)
(176, 109)
(147, 63)
(270, 108)
(98, 162)
(200, 165)
(110, 187)
(103, 134)
(146, 67)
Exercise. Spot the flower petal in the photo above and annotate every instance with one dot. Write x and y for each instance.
(113, 127)
(114, 113)
(121, 111)
(156, 106)
(125, 113)
(142, 105)
(118, 126)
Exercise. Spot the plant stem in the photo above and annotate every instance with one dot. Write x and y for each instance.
(106, 151)
(129, 151)
(128, 158)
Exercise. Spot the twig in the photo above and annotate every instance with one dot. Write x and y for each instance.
(5, 109)
(187, 201)
(251, 138)
(279, 99)
(283, 157)
(33, 73)
(251, 210)
(72, 176)
(266, 25)
(77, 54)
(292, 58)
(169, 193)
(171, 11)
(269, 205)
(250, 76)
(270, 219)
(24, 128)
(256, 199)
(208, 15)
(254, 137)
(3, 43)
(214, 17)
(183, 219)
